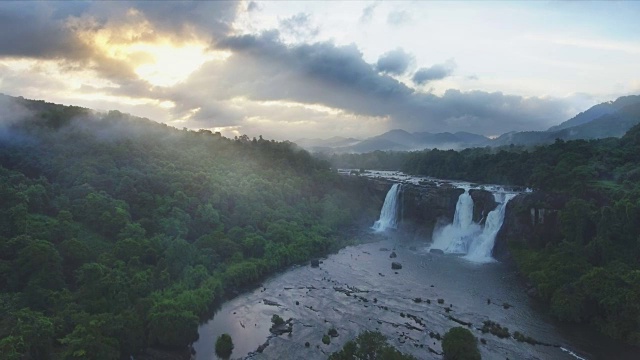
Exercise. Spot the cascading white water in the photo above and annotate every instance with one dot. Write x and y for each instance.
(456, 237)
(463, 236)
(480, 249)
(389, 213)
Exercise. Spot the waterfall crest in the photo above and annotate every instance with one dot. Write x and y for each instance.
(389, 213)
(465, 237)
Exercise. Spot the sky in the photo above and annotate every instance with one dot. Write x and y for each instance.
(304, 69)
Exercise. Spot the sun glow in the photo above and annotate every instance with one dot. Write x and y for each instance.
(171, 64)
(159, 59)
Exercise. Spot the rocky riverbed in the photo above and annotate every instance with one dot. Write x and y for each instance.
(357, 289)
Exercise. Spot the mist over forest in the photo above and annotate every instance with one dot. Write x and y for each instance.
(206, 180)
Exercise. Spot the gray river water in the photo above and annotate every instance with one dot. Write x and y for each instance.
(381, 298)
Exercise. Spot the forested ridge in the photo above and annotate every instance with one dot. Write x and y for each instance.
(590, 274)
(118, 233)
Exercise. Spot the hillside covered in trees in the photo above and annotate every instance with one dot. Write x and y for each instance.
(118, 233)
(591, 273)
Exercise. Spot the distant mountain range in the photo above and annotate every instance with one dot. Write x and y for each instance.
(398, 140)
(609, 119)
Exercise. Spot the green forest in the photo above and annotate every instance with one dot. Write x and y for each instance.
(591, 273)
(118, 233)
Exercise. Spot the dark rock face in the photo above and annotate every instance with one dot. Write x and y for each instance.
(436, 251)
(396, 266)
(424, 206)
(529, 217)
(483, 203)
(393, 255)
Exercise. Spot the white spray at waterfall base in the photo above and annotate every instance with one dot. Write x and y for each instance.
(456, 237)
(465, 237)
(389, 213)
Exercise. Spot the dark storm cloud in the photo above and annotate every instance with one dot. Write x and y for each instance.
(50, 31)
(37, 30)
(435, 72)
(180, 17)
(394, 62)
(42, 30)
(311, 73)
(262, 68)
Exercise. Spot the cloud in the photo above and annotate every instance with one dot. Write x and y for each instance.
(397, 18)
(435, 72)
(394, 62)
(264, 70)
(367, 13)
(253, 6)
(12, 111)
(92, 35)
(263, 83)
(299, 26)
(37, 30)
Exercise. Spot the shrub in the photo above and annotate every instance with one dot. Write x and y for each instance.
(224, 346)
(277, 320)
(460, 344)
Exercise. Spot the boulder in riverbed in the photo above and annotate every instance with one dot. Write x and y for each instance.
(396, 266)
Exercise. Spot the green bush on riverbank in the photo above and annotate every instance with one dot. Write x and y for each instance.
(459, 344)
(370, 345)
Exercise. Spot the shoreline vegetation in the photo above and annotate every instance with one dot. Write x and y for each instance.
(590, 272)
(118, 234)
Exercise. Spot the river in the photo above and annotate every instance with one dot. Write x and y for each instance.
(381, 299)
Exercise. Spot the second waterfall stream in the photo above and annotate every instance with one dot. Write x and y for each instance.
(466, 237)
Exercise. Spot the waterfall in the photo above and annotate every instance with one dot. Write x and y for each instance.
(480, 249)
(389, 213)
(465, 237)
(456, 237)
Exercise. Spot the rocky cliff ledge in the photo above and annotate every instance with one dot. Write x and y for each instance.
(529, 217)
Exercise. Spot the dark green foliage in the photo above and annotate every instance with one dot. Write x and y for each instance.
(370, 345)
(326, 339)
(588, 273)
(459, 344)
(523, 338)
(224, 346)
(118, 233)
(494, 328)
(277, 320)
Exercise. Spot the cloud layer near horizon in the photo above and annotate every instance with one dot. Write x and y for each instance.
(194, 64)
